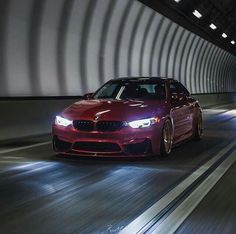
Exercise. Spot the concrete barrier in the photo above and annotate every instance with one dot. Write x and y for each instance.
(20, 118)
(207, 100)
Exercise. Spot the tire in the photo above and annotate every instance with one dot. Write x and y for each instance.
(166, 139)
(198, 132)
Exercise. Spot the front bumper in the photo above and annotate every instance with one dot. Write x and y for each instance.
(122, 143)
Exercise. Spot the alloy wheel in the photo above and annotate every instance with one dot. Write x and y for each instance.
(167, 137)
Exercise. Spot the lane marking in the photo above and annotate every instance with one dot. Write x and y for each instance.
(146, 217)
(177, 217)
(24, 147)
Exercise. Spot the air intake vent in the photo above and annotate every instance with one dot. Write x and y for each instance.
(96, 147)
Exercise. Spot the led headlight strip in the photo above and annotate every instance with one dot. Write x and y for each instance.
(63, 121)
(143, 123)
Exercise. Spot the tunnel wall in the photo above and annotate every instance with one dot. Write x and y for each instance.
(69, 47)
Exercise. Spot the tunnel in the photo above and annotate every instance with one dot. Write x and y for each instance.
(117, 116)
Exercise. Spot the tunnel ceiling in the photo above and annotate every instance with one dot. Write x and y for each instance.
(221, 13)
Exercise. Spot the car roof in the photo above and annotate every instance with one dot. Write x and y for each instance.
(143, 78)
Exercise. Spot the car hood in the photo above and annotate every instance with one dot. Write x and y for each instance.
(116, 110)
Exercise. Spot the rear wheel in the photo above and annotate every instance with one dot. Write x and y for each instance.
(198, 128)
(166, 139)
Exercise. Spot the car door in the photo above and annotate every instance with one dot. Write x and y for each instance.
(180, 113)
(188, 103)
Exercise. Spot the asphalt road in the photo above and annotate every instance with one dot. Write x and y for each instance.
(41, 192)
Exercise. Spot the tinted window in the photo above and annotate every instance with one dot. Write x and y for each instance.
(173, 88)
(107, 91)
(177, 87)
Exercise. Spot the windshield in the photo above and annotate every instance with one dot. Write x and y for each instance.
(132, 89)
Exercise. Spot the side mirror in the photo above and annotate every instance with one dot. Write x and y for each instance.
(87, 96)
(182, 96)
(178, 97)
(174, 97)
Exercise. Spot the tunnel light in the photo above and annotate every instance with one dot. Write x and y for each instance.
(177, 1)
(213, 26)
(224, 35)
(197, 14)
(232, 42)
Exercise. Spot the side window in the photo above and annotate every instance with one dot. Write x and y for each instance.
(173, 88)
(177, 87)
(182, 89)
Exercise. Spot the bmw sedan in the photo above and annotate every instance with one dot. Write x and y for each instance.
(137, 116)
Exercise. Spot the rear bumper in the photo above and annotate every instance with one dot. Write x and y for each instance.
(123, 143)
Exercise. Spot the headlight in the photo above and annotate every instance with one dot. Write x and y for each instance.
(143, 123)
(62, 121)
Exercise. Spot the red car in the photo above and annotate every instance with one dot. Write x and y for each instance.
(138, 116)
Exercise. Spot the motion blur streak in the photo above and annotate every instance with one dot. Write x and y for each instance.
(24, 147)
(177, 217)
(147, 217)
(43, 192)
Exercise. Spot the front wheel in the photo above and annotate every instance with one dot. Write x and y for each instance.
(166, 139)
(198, 133)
